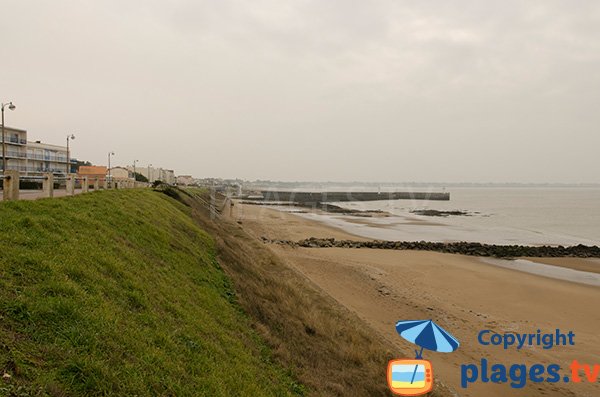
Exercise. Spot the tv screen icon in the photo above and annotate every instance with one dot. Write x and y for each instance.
(408, 377)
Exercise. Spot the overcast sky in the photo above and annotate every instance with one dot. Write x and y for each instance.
(471, 91)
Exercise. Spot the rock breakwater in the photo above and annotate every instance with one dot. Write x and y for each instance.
(464, 248)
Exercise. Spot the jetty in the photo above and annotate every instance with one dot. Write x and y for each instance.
(323, 197)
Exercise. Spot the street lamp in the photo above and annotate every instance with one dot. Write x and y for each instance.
(11, 107)
(69, 137)
(149, 165)
(109, 176)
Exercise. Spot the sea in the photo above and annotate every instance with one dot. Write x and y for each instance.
(494, 215)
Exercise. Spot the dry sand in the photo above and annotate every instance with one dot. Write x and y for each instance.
(461, 293)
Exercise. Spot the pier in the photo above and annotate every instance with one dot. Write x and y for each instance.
(323, 197)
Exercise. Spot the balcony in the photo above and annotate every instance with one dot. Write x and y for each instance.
(29, 170)
(17, 141)
(15, 154)
(39, 157)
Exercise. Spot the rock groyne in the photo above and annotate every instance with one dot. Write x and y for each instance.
(464, 248)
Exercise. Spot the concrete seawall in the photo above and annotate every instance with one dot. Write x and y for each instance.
(322, 197)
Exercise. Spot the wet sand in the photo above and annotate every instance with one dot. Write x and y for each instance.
(461, 293)
(587, 265)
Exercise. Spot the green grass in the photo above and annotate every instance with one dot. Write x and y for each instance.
(119, 293)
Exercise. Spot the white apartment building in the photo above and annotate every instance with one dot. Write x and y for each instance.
(44, 157)
(32, 158)
(167, 176)
(154, 174)
(15, 150)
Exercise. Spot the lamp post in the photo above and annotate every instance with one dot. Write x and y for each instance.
(69, 137)
(109, 176)
(149, 165)
(11, 107)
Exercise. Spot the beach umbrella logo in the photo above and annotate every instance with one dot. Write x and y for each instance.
(414, 377)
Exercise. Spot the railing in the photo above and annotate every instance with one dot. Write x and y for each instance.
(11, 182)
(23, 168)
(60, 159)
(12, 153)
(19, 155)
(14, 140)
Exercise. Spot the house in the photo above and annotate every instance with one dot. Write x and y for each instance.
(92, 172)
(120, 174)
(185, 180)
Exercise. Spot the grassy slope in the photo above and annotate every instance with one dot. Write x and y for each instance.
(119, 292)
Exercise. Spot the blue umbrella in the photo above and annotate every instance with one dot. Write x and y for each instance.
(427, 335)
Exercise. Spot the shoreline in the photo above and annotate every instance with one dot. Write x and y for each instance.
(585, 258)
(460, 292)
(389, 221)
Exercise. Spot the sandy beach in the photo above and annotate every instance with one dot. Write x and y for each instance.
(462, 293)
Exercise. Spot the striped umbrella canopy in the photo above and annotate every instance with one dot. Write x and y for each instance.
(427, 334)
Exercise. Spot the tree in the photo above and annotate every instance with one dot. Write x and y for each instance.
(140, 178)
(75, 164)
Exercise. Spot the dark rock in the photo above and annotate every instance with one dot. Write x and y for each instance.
(465, 248)
(440, 213)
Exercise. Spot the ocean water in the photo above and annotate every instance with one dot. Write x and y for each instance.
(532, 216)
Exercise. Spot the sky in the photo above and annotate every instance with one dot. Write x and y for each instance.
(323, 90)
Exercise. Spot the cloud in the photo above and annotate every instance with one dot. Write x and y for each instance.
(350, 83)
